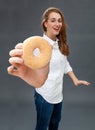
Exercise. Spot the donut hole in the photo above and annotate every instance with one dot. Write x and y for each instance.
(36, 52)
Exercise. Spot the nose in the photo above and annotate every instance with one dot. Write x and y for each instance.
(57, 23)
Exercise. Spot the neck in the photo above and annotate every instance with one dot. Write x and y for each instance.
(53, 37)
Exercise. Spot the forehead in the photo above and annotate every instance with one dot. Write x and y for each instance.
(54, 15)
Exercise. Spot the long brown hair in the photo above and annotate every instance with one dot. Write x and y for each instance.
(63, 46)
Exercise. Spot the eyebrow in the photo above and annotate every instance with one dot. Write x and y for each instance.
(54, 18)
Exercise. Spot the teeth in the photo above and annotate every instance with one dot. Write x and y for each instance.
(56, 28)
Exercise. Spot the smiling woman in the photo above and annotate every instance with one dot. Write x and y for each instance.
(59, 21)
(48, 80)
(53, 25)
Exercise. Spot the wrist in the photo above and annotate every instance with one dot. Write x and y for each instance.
(76, 82)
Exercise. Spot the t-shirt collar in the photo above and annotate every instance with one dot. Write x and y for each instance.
(50, 40)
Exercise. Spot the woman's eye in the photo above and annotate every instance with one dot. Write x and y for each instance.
(60, 21)
(53, 20)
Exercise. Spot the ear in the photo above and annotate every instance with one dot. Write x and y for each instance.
(45, 24)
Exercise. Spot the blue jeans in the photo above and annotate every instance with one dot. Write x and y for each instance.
(48, 115)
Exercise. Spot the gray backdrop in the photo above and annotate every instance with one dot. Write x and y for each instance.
(20, 19)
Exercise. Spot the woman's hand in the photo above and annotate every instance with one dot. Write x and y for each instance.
(76, 81)
(35, 78)
(81, 82)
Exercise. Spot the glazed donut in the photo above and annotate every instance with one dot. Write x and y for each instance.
(36, 52)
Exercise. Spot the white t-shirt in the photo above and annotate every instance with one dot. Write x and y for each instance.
(52, 90)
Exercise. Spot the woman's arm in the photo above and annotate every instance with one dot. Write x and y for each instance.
(75, 80)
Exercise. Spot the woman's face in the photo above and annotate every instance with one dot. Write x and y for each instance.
(53, 25)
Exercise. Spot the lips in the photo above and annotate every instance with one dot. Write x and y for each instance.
(56, 29)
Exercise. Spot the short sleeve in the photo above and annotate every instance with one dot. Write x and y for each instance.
(68, 67)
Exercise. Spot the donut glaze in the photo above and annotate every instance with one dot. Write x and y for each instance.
(36, 52)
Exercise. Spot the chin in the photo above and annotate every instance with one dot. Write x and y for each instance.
(56, 34)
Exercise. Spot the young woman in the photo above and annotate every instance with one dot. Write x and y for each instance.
(47, 81)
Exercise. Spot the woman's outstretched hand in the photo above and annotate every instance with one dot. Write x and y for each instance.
(76, 81)
(81, 82)
(35, 78)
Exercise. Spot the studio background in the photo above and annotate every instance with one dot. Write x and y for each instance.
(20, 19)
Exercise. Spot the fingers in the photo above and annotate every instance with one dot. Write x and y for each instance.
(86, 83)
(15, 60)
(19, 46)
(15, 52)
(12, 71)
(83, 82)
